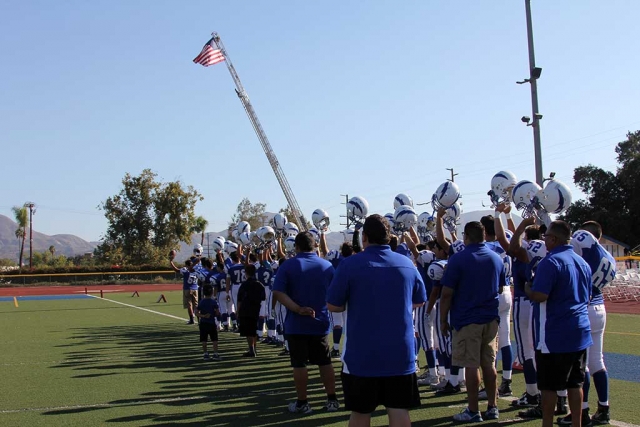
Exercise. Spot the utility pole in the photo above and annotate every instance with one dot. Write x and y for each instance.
(534, 75)
(452, 174)
(346, 200)
(32, 211)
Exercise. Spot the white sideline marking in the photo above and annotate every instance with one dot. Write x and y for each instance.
(138, 402)
(140, 308)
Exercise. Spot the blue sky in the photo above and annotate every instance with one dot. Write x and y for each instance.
(361, 98)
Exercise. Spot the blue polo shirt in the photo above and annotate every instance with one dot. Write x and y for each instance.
(475, 275)
(562, 321)
(305, 279)
(378, 288)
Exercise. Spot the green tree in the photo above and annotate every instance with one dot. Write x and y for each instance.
(146, 219)
(612, 199)
(250, 212)
(200, 226)
(21, 216)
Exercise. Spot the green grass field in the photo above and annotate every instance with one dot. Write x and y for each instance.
(90, 361)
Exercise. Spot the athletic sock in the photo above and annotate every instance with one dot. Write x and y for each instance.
(447, 374)
(507, 361)
(532, 389)
(336, 346)
(562, 393)
(260, 329)
(300, 403)
(462, 376)
(337, 334)
(506, 374)
(332, 396)
(271, 326)
(417, 347)
(601, 383)
(431, 360)
(455, 371)
(529, 372)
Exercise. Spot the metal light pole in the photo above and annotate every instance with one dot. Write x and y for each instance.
(534, 75)
(32, 211)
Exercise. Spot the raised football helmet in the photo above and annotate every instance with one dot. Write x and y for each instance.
(290, 245)
(502, 184)
(445, 196)
(357, 209)
(451, 216)
(230, 247)
(218, 244)
(554, 198)
(234, 233)
(348, 235)
(197, 250)
(266, 234)
(316, 234)
(404, 218)
(244, 238)
(244, 227)
(291, 229)
(523, 194)
(402, 200)
(436, 270)
(279, 221)
(425, 226)
(320, 219)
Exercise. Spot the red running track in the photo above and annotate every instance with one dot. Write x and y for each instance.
(74, 290)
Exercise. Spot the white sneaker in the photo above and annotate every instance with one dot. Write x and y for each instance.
(430, 380)
(331, 405)
(295, 409)
(443, 382)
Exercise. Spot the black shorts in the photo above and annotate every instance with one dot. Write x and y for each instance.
(364, 394)
(208, 330)
(309, 349)
(560, 371)
(248, 326)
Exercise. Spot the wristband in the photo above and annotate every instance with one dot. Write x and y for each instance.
(496, 214)
(508, 215)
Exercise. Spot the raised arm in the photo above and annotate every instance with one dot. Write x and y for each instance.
(515, 246)
(442, 241)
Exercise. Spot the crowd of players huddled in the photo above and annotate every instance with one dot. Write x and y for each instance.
(552, 313)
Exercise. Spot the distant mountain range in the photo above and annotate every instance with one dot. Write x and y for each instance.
(70, 245)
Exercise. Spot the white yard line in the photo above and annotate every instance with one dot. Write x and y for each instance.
(140, 308)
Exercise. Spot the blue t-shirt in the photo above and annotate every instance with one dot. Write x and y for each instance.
(562, 322)
(378, 288)
(305, 279)
(264, 274)
(602, 263)
(189, 279)
(208, 305)
(237, 274)
(475, 275)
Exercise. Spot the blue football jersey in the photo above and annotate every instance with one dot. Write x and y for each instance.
(506, 259)
(237, 274)
(602, 263)
(264, 274)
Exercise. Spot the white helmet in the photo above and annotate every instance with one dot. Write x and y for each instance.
(451, 216)
(389, 217)
(279, 221)
(348, 235)
(554, 198)
(445, 196)
(244, 238)
(290, 244)
(266, 234)
(316, 234)
(425, 224)
(218, 244)
(357, 209)
(254, 238)
(320, 219)
(197, 250)
(244, 227)
(404, 218)
(234, 233)
(436, 270)
(230, 247)
(523, 194)
(291, 229)
(402, 199)
(501, 185)
(425, 258)
(332, 255)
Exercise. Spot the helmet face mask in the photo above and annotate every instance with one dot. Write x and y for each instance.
(290, 245)
(320, 219)
(445, 196)
(404, 218)
(291, 229)
(279, 222)
(357, 209)
(502, 184)
(197, 250)
(523, 194)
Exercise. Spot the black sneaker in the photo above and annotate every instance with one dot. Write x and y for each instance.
(531, 413)
(225, 328)
(335, 354)
(249, 354)
(586, 419)
(449, 389)
(505, 388)
(561, 406)
(601, 416)
(284, 352)
(526, 400)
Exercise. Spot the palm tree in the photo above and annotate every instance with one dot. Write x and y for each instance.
(199, 226)
(22, 218)
(52, 249)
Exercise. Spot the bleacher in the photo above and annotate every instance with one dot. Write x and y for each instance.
(626, 285)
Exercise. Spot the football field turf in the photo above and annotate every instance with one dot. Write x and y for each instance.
(91, 361)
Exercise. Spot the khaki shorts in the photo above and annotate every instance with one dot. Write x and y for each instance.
(190, 298)
(474, 346)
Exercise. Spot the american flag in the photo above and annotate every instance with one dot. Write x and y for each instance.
(209, 55)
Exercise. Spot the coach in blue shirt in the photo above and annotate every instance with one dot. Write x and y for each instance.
(561, 291)
(379, 288)
(301, 286)
(471, 284)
